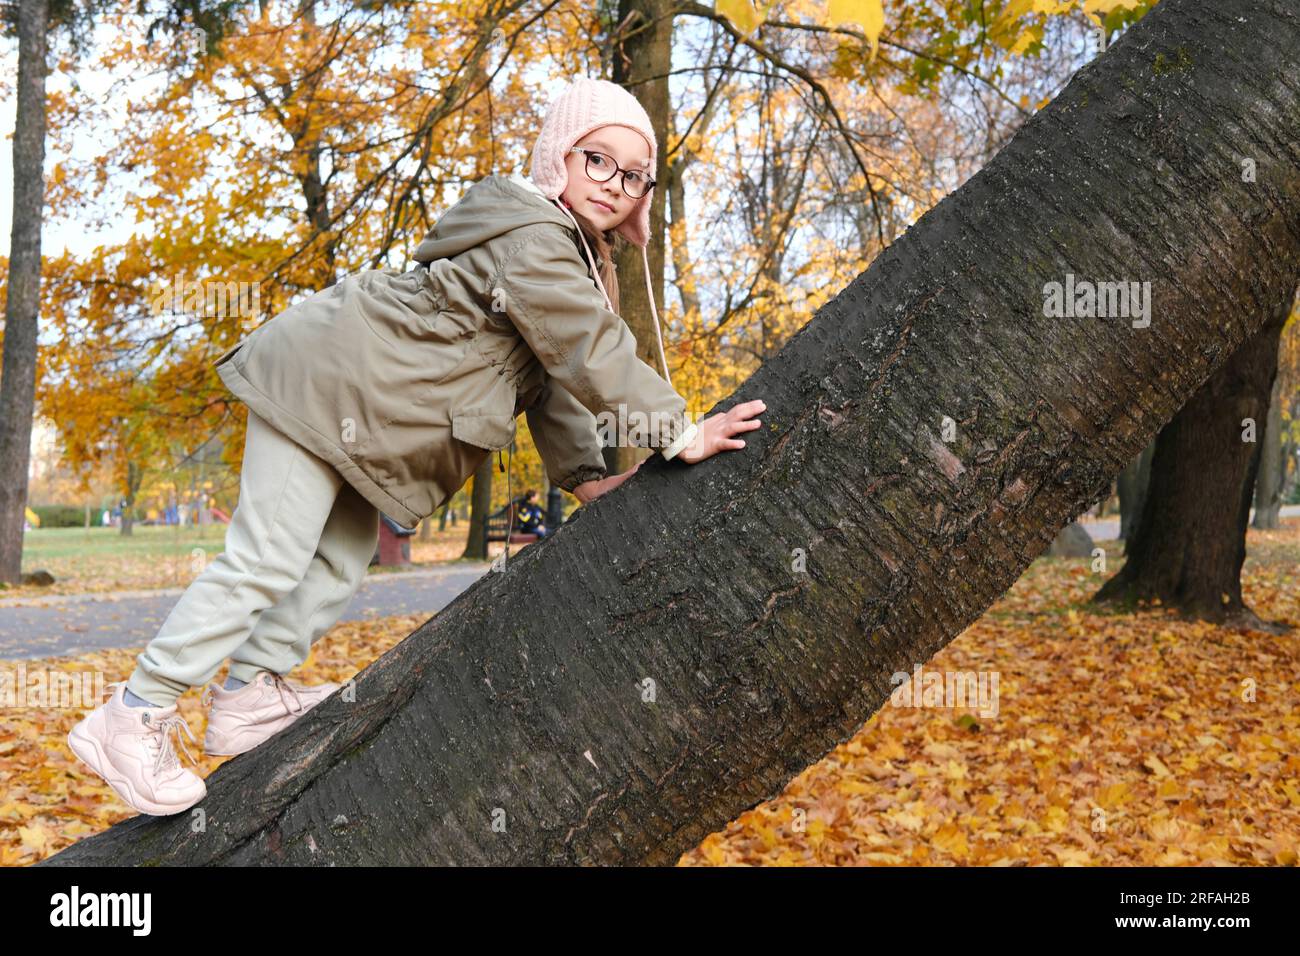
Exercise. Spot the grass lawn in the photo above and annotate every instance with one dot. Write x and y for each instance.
(169, 556)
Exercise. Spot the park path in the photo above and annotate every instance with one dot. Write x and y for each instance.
(72, 624)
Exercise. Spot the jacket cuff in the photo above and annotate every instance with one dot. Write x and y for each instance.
(683, 441)
(585, 473)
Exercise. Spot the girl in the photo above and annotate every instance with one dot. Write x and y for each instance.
(384, 393)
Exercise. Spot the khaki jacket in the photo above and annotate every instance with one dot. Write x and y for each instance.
(405, 382)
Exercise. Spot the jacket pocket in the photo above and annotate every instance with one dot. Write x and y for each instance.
(484, 429)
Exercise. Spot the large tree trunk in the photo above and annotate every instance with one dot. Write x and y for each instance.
(1190, 543)
(22, 306)
(1268, 484)
(683, 646)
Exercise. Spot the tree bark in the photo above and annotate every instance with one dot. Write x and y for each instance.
(22, 306)
(1190, 543)
(684, 645)
(1268, 485)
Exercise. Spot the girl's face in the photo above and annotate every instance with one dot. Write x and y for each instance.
(606, 204)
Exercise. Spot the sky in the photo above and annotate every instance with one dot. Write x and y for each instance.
(55, 236)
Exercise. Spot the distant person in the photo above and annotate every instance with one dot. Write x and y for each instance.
(531, 519)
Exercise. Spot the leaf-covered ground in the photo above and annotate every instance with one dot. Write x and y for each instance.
(1118, 739)
(49, 799)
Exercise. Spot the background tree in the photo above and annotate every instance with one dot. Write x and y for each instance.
(36, 23)
(1268, 480)
(1190, 542)
(1277, 447)
(1131, 487)
(18, 377)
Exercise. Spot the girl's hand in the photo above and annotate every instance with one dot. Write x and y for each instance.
(591, 490)
(716, 431)
(714, 436)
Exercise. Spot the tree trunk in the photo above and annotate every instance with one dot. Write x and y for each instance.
(1190, 543)
(1268, 486)
(480, 506)
(22, 307)
(1289, 473)
(134, 478)
(1132, 488)
(684, 645)
(641, 62)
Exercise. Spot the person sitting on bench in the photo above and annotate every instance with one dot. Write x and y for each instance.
(529, 515)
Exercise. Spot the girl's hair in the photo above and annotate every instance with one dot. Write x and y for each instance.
(602, 245)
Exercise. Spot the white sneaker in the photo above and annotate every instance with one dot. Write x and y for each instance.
(240, 719)
(131, 748)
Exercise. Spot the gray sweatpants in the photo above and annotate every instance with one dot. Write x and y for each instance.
(297, 549)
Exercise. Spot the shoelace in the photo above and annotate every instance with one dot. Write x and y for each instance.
(160, 741)
(282, 685)
(165, 755)
(277, 681)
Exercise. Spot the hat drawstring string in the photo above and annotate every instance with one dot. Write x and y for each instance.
(510, 506)
(649, 291)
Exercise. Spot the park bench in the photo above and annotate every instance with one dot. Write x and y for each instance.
(497, 524)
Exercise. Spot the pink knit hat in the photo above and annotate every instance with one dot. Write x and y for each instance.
(584, 105)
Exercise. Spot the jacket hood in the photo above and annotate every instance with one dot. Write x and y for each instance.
(494, 205)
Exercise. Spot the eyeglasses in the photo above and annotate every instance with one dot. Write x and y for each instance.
(601, 169)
